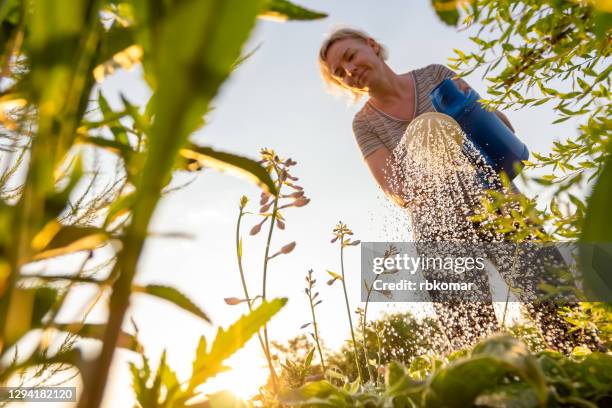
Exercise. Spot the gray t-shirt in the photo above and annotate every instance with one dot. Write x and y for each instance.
(374, 128)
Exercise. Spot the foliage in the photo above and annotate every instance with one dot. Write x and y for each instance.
(342, 234)
(279, 170)
(555, 52)
(393, 337)
(55, 124)
(313, 302)
(163, 389)
(500, 371)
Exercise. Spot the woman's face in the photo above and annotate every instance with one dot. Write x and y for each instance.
(354, 62)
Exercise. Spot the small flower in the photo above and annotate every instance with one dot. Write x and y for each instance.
(232, 301)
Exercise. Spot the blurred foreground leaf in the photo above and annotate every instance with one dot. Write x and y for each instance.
(233, 163)
(55, 240)
(209, 363)
(284, 10)
(174, 296)
(490, 361)
(447, 11)
(96, 331)
(596, 253)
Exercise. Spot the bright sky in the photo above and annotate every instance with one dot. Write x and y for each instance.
(277, 100)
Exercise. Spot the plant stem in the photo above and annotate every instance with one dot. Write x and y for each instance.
(348, 308)
(363, 329)
(265, 267)
(316, 330)
(247, 297)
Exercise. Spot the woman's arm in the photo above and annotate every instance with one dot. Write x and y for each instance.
(381, 165)
(465, 87)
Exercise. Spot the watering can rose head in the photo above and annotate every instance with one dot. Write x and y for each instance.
(350, 60)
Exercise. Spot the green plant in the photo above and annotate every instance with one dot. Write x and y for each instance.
(271, 207)
(556, 52)
(52, 55)
(373, 375)
(162, 388)
(392, 337)
(342, 234)
(500, 371)
(313, 302)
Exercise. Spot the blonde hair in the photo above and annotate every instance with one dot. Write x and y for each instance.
(340, 34)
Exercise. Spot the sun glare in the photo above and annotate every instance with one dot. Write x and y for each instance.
(248, 372)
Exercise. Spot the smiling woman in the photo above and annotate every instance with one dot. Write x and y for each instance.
(352, 61)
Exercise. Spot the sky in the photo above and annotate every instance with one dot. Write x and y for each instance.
(277, 100)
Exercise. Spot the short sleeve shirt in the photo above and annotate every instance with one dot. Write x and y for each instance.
(374, 128)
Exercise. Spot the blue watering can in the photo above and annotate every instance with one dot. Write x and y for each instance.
(502, 150)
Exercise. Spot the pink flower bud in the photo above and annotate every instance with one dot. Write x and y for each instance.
(300, 202)
(288, 248)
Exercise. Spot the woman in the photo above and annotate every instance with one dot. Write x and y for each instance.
(354, 62)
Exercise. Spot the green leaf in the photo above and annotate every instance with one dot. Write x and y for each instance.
(57, 201)
(447, 11)
(515, 356)
(149, 389)
(490, 361)
(239, 165)
(120, 206)
(57, 240)
(284, 10)
(114, 40)
(113, 146)
(398, 382)
(449, 388)
(308, 360)
(209, 363)
(189, 50)
(596, 253)
(44, 298)
(19, 316)
(96, 331)
(174, 296)
(598, 220)
(317, 394)
(334, 275)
